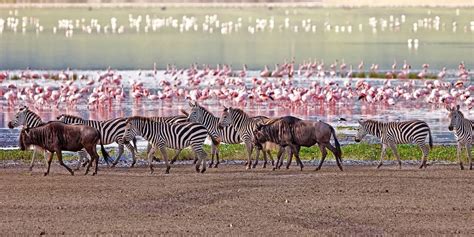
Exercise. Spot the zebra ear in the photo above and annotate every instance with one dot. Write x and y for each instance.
(448, 108)
(226, 109)
(361, 121)
(192, 103)
(458, 107)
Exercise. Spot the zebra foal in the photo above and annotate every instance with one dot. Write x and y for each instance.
(463, 131)
(393, 133)
(175, 136)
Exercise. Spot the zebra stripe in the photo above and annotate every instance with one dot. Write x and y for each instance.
(463, 131)
(393, 133)
(176, 136)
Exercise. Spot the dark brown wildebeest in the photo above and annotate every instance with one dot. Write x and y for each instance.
(57, 136)
(294, 132)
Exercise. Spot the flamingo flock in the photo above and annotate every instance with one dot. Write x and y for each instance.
(215, 24)
(311, 84)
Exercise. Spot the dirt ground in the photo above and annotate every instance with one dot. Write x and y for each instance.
(233, 201)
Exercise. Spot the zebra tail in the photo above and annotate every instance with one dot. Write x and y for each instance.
(104, 153)
(430, 139)
(336, 142)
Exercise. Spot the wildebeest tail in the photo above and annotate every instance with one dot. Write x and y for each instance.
(104, 152)
(336, 142)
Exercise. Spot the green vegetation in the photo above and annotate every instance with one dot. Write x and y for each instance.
(362, 151)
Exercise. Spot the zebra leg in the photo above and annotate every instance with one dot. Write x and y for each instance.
(132, 150)
(150, 157)
(201, 154)
(425, 151)
(60, 158)
(165, 158)
(50, 158)
(82, 157)
(213, 152)
(382, 155)
(217, 157)
(33, 157)
(148, 148)
(256, 158)
(249, 154)
(469, 155)
(393, 146)
(176, 156)
(120, 152)
(459, 149)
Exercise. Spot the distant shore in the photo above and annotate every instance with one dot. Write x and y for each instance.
(321, 3)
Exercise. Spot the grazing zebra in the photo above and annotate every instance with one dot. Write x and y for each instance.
(393, 133)
(175, 136)
(245, 125)
(463, 131)
(112, 130)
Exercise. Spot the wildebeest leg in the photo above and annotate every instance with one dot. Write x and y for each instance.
(50, 158)
(132, 150)
(175, 157)
(60, 158)
(297, 157)
(295, 151)
(280, 153)
(151, 153)
(469, 155)
(425, 151)
(334, 152)
(165, 158)
(382, 155)
(393, 146)
(249, 146)
(120, 152)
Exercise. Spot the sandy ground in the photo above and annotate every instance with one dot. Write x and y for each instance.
(233, 201)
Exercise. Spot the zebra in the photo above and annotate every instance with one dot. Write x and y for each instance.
(245, 125)
(463, 131)
(112, 130)
(228, 134)
(28, 119)
(170, 120)
(393, 133)
(176, 136)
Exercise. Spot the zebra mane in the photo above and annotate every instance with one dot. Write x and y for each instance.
(204, 109)
(72, 116)
(238, 111)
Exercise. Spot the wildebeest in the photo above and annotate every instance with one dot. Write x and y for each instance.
(294, 132)
(57, 136)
